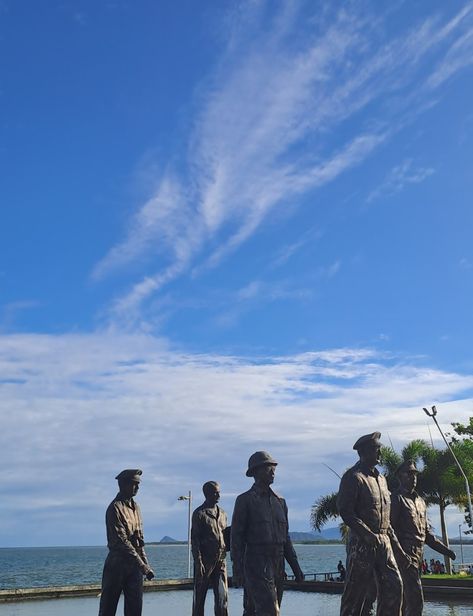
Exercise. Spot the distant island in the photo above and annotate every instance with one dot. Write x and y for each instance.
(329, 535)
(166, 540)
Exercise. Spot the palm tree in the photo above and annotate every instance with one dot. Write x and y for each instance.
(463, 440)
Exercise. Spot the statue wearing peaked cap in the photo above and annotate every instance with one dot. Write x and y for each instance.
(409, 521)
(126, 563)
(260, 541)
(364, 505)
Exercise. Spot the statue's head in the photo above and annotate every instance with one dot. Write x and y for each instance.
(407, 475)
(368, 448)
(262, 466)
(129, 481)
(211, 490)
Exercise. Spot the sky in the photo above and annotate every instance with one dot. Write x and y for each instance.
(226, 226)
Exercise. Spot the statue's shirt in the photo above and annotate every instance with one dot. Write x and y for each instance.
(364, 501)
(260, 524)
(208, 525)
(261, 518)
(125, 531)
(409, 517)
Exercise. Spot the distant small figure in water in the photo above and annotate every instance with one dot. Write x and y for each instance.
(342, 573)
(126, 563)
(209, 522)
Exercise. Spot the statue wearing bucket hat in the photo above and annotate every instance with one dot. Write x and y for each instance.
(260, 541)
(364, 505)
(126, 563)
(409, 521)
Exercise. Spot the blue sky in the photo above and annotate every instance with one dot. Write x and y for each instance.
(226, 226)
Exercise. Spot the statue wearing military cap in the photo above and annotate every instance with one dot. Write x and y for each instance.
(126, 563)
(364, 505)
(129, 474)
(370, 440)
(409, 521)
(260, 541)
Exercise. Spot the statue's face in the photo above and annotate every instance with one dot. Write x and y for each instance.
(408, 480)
(129, 488)
(265, 474)
(370, 453)
(212, 493)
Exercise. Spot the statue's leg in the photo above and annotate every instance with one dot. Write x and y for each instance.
(360, 567)
(279, 576)
(413, 602)
(201, 585)
(220, 589)
(261, 585)
(112, 585)
(388, 579)
(248, 604)
(133, 592)
(370, 598)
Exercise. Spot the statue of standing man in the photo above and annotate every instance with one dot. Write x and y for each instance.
(126, 563)
(260, 541)
(409, 521)
(364, 505)
(208, 549)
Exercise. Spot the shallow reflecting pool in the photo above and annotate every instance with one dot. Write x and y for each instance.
(178, 603)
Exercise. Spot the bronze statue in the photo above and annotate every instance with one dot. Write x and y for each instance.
(364, 505)
(126, 563)
(409, 521)
(260, 541)
(208, 549)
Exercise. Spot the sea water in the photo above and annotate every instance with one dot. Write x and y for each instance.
(64, 566)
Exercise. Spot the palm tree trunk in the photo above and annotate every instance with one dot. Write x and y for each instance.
(448, 563)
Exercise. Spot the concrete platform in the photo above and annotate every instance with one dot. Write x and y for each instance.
(433, 589)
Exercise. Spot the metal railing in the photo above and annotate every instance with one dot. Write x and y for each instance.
(324, 576)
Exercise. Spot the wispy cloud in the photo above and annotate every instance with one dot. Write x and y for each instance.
(289, 250)
(265, 131)
(9, 312)
(398, 178)
(258, 293)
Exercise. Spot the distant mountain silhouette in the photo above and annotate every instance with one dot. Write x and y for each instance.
(167, 539)
(328, 534)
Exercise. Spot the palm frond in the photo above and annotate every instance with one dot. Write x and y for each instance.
(323, 510)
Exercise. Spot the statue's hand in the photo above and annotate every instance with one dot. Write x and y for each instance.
(451, 554)
(371, 540)
(407, 562)
(200, 568)
(150, 575)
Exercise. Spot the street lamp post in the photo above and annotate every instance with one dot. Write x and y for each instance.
(188, 498)
(461, 541)
(433, 414)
